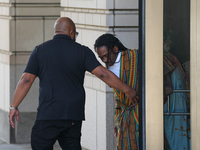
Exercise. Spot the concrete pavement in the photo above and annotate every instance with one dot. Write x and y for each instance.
(6, 146)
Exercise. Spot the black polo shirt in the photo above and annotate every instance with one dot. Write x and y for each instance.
(60, 64)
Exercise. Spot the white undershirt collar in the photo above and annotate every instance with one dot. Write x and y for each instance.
(116, 67)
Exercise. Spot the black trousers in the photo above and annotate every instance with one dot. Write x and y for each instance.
(46, 132)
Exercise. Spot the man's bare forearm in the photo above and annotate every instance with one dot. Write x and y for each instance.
(22, 89)
(113, 81)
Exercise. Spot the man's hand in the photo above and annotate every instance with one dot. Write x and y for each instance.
(132, 95)
(115, 132)
(13, 114)
(22, 89)
(113, 81)
(168, 89)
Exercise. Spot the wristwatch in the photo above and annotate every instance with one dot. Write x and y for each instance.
(15, 108)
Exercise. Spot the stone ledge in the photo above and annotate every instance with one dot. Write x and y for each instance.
(108, 28)
(29, 17)
(14, 58)
(37, 1)
(6, 4)
(29, 1)
(36, 4)
(36, 9)
(95, 28)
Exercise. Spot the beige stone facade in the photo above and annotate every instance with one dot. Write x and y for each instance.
(24, 24)
(27, 23)
(195, 72)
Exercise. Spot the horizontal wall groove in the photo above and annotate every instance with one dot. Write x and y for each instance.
(49, 3)
(29, 17)
(107, 26)
(15, 52)
(96, 27)
(5, 52)
(105, 12)
(94, 9)
(37, 5)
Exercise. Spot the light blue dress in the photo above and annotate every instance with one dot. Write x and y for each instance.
(177, 128)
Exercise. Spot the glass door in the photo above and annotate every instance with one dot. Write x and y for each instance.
(176, 59)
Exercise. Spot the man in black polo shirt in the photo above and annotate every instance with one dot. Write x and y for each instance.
(60, 64)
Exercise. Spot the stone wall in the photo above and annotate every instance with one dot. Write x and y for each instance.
(27, 23)
(24, 24)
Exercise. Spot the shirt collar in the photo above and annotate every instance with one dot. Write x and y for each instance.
(118, 57)
(61, 36)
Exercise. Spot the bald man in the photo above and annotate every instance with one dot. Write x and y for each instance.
(60, 64)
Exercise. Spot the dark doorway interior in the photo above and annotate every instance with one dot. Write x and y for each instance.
(177, 25)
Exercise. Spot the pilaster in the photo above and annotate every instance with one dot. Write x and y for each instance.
(24, 24)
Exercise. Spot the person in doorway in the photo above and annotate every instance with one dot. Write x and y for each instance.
(60, 65)
(124, 63)
(176, 127)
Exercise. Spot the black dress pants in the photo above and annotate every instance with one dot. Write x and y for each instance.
(46, 132)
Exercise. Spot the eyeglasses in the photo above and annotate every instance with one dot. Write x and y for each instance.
(76, 34)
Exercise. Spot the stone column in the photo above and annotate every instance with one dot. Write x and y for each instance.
(154, 74)
(195, 73)
(24, 24)
(94, 18)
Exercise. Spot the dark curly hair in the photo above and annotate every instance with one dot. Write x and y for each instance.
(109, 41)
